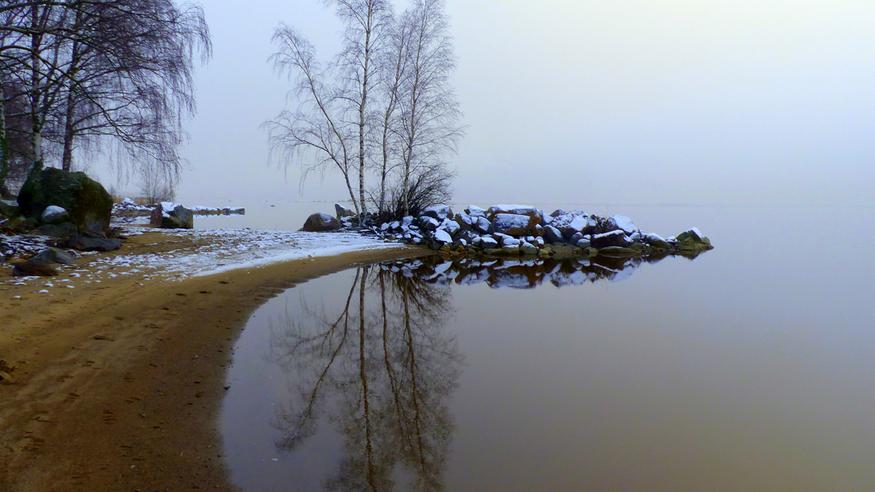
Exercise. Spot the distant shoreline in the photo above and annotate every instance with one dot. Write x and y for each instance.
(117, 385)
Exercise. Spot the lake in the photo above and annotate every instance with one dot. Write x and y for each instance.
(750, 367)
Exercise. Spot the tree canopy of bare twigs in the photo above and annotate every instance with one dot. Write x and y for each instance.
(383, 107)
(98, 74)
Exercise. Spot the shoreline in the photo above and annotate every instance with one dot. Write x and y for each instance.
(118, 385)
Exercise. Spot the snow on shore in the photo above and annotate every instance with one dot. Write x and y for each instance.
(222, 250)
(206, 253)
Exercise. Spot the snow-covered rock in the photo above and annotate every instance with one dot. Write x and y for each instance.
(610, 239)
(513, 224)
(482, 225)
(475, 211)
(320, 222)
(514, 209)
(488, 242)
(450, 226)
(623, 223)
(443, 236)
(525, 231)
(429, 223)
(439, 212)
(340, 211)
(552, 235)
(54, 214)
(578, 223)
(507, 240)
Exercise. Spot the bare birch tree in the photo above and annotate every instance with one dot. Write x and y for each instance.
(332, 124)
(385, 105)
(365, 22)
(315, 132)
(430, 113)
(393, 63)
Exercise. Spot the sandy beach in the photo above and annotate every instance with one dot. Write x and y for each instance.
(116, 385)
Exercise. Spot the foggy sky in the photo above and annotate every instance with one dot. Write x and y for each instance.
(630, 101)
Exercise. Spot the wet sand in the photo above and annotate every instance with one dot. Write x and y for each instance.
(117, 385)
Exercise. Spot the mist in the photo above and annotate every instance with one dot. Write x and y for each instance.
(632, 102)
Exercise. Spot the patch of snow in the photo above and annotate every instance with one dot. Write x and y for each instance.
(514, 209)
(505, 222)
(624, 223)
(450, 226)
(443, 236)
(578, 223)
(476, 211)
(53, 212)
(488, 242)
(439, 211)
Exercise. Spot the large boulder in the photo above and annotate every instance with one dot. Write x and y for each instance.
(321, 223)
(86, 201)
(171, 216)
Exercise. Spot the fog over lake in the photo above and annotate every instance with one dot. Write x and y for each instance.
(712, 102)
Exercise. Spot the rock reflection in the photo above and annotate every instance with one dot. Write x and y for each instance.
(515, 273)
(380, 373)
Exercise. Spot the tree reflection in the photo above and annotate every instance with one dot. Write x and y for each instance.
(379, 367)
(380, 371)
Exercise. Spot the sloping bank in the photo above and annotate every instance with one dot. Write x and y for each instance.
(115, 384)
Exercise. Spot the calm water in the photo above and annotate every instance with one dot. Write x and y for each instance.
(749, 368)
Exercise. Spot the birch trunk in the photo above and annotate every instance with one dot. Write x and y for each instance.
(4, 146)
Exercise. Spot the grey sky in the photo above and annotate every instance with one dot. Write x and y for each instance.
(632, 101)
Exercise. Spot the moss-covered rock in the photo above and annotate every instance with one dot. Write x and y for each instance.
(692, 242)
(87, 202)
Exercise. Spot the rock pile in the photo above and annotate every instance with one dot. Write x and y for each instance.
(521, 230)
(129, 208)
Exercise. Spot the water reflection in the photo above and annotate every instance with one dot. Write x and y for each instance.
(745, 370)
(380, 371)
(515, 273)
